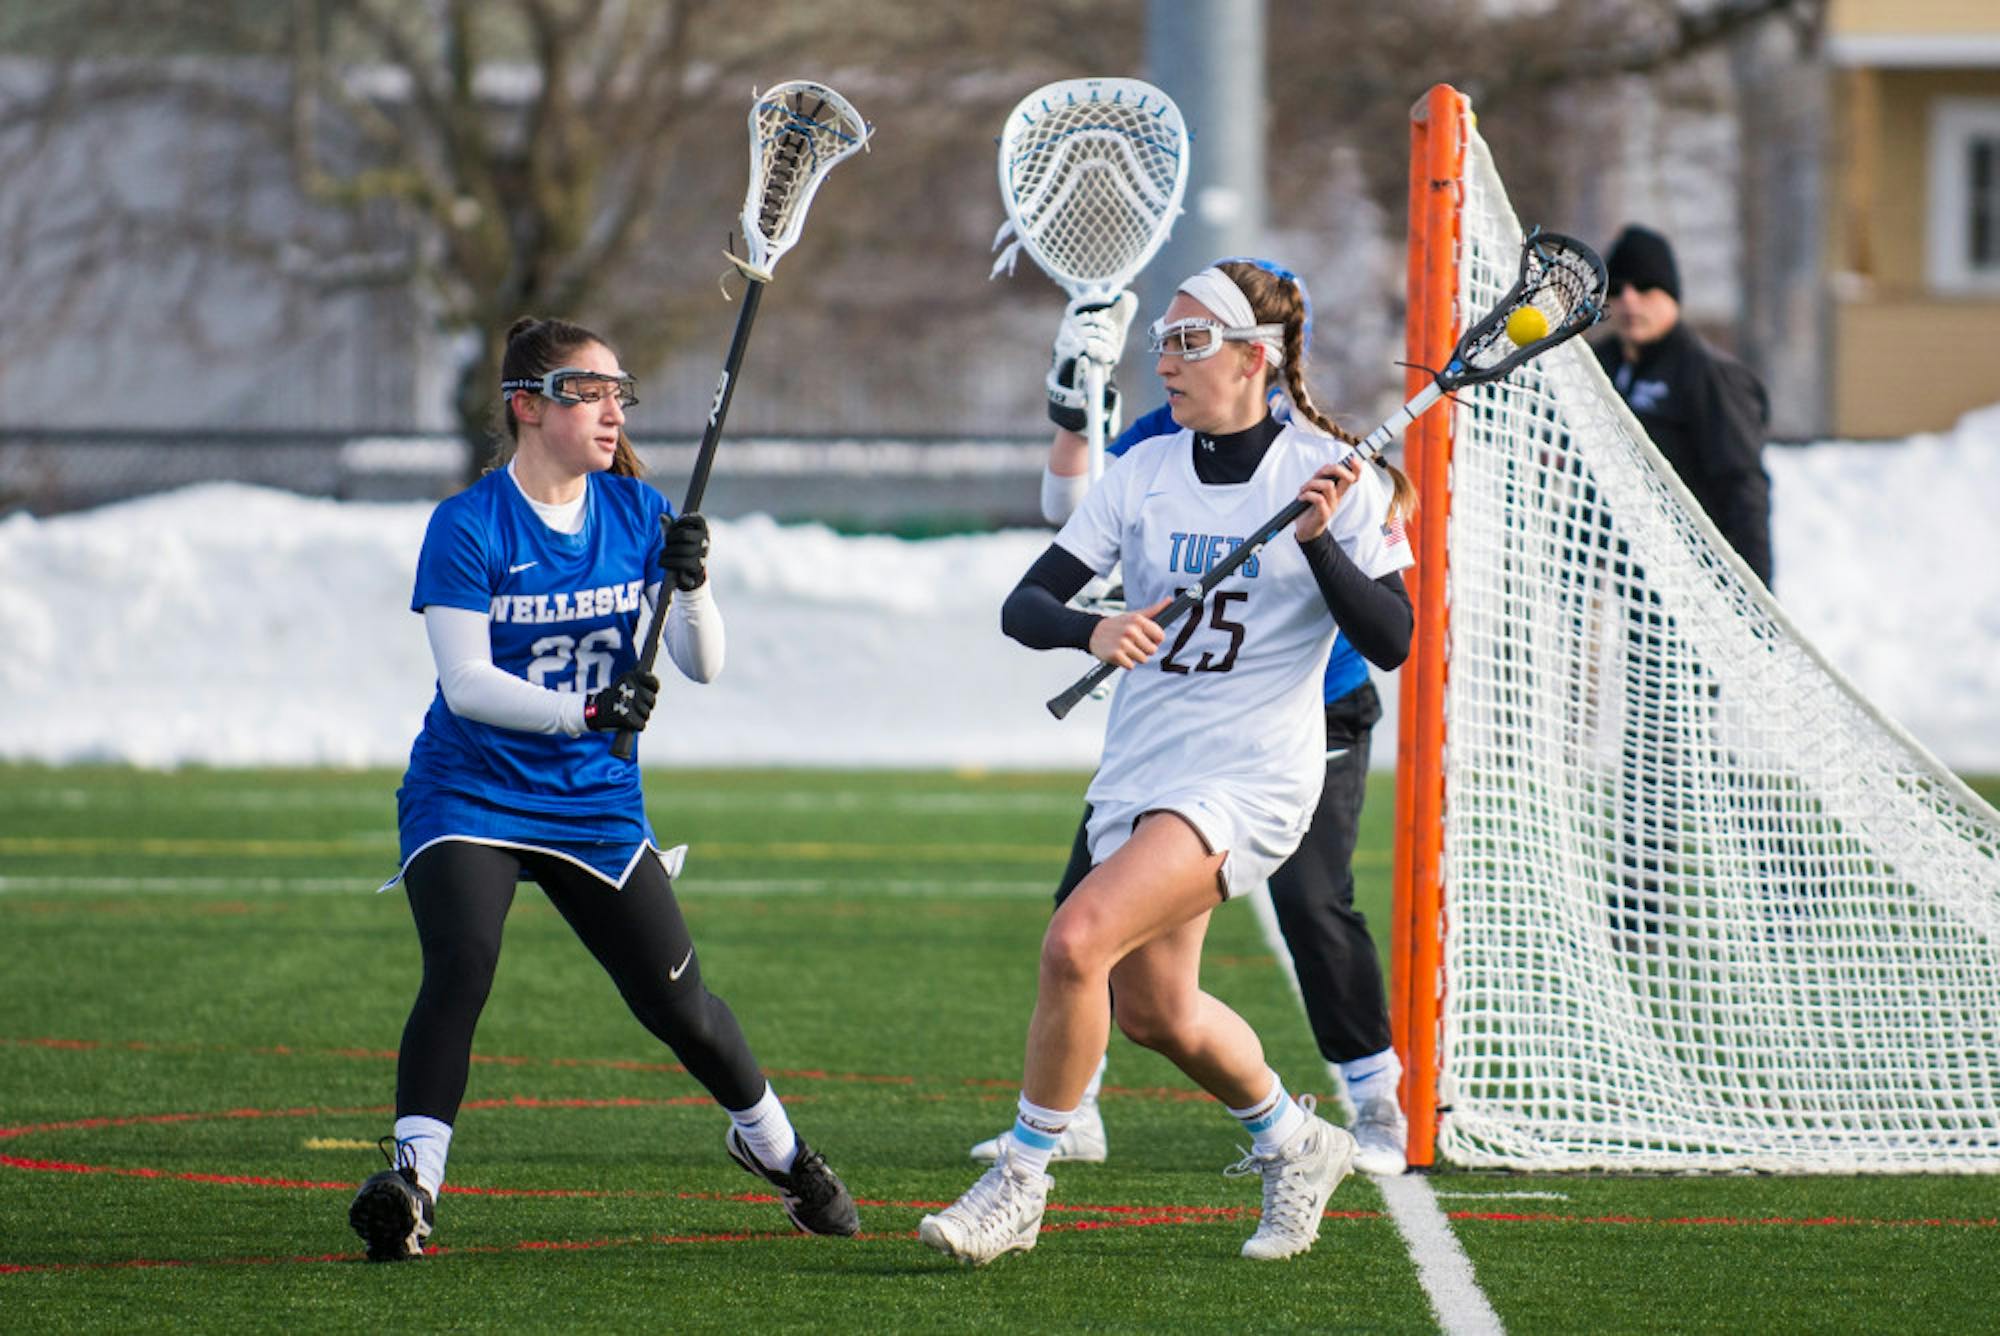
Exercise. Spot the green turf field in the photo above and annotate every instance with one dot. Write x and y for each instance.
(202, 1000)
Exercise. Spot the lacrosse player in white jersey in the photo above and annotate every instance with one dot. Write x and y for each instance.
(1312, 894)
(1214, 754)
(534, 585)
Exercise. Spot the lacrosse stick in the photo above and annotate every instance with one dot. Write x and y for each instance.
(1561, 278)
(1091, 174)
(798, 131)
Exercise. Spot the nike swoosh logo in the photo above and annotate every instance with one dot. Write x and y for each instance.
(674, 974)
(1150, 495)
(516, 570)
(1338, 751)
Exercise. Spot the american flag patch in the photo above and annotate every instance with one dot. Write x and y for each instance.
(1392, 532)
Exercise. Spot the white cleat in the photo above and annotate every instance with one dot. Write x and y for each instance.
(1381, 1134)
(1001, 1213)
(1297, 1182)
(1082, 1141)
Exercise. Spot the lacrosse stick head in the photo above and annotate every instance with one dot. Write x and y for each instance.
(1092, 172)
(1560, 277)
(798, 131)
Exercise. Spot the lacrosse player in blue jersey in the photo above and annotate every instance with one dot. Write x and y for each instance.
(1214, 752)
(534, 584)
(1339, 973)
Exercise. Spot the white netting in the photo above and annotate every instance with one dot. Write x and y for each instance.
(1705, 907)
(1092, 173)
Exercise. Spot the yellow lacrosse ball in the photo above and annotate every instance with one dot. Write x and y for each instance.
(1526, 325)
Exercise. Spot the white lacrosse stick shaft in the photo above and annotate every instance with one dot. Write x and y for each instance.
(1095, 374)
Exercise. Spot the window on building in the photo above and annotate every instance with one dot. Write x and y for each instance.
(1963, 235)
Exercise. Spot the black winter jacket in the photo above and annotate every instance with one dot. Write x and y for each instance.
(1707, 413)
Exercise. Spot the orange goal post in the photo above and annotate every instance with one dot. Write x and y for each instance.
(1669, 892)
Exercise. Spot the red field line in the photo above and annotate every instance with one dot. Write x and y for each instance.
(373, 1110)
(1123, 1217)
(482, 1059)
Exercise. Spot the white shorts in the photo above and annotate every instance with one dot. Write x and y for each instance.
(1254, 840)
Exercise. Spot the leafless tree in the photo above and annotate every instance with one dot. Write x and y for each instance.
(497, 157)
(475, 160)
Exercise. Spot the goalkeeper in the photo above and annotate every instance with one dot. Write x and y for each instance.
(1333, 955)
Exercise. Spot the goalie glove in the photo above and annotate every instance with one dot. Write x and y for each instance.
(626, 704)
(1095, 331)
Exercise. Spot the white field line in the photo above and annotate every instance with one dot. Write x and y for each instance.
(363, 885)
(718, 800)
(1443, 1269)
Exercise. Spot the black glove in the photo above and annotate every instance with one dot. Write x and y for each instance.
(1066, 401)
(684, 556)
(625, 704)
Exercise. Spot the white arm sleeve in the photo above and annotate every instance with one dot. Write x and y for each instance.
(1060, 495)
(694, 633)
(461, 642)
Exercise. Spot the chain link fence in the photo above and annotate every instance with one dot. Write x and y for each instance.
(909, 485)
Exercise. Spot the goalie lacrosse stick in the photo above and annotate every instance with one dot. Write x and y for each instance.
(799, 130)
(1561, 278)
(1091, 174)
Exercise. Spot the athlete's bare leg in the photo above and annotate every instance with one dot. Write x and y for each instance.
(1161, 881)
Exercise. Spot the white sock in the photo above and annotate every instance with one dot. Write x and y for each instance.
(1034, 1136)
(1273, 1120)
(767, 1131)
(424, 1142)
(1373, 1077)
(1096, 1082)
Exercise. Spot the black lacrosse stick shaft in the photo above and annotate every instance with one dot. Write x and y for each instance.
(704, 461)
(1185, 602)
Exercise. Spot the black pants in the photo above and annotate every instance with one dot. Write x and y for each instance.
(459, 895)
(1313, 893)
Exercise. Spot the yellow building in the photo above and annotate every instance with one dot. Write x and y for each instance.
(1914, 237)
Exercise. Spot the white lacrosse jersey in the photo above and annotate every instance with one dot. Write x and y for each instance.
(1233, 694)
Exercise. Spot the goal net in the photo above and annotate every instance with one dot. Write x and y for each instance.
(1689, 901)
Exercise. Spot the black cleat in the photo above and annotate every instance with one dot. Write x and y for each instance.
(391, 1213)
(815, 1199)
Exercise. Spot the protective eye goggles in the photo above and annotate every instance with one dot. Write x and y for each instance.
(1197, 337)
(574, 385)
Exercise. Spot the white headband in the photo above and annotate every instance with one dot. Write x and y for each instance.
(1218, 292)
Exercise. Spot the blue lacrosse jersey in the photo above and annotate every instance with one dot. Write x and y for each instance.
(1346, 670)
(564, 609)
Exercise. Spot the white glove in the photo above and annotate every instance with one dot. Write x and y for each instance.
(1096, 330)
(1093, 331)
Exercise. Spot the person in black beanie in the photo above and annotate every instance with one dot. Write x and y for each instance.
(1704, 410)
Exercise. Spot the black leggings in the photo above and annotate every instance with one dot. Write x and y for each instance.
(459, 895)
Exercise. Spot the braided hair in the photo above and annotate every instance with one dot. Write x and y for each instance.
(1277, 297)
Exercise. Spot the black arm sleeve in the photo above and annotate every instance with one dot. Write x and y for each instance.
(1036, 613)
(1375, 614)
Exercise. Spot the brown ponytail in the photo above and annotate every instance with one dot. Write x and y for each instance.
(535, 346)
(1276, 301)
